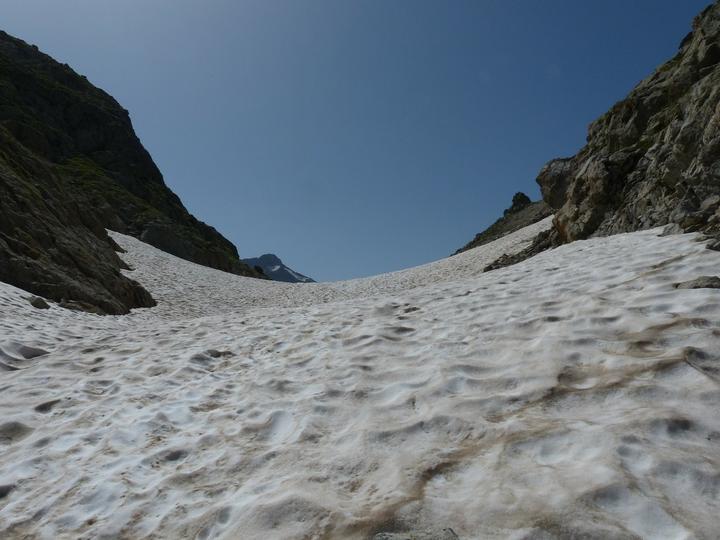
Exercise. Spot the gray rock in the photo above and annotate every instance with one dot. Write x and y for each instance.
(672, 228)
(37, 302)
(714, 245)
(79, 305)
(554, 180)
(703, 282)
(654, 158)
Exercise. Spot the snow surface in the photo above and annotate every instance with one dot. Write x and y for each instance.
(574, 393)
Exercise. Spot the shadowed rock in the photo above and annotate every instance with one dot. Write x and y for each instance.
(37, 302)
(703, 282)
(71, 167)
(5, 490)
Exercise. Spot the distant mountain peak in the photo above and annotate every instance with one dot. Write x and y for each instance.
(269, 259)
(275, 269)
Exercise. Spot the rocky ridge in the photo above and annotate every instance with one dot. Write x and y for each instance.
(653, 159)
(71, 166)
(520, 214)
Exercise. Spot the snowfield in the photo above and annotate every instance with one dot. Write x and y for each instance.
(574, 395)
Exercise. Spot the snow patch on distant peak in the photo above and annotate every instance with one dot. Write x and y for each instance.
(276, 270)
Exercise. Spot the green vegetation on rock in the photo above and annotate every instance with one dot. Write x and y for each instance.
(71, 166)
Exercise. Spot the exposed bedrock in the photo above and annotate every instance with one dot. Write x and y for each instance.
(654, 158)
(71, 166)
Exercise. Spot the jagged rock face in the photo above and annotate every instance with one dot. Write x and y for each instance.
(654, 158)
(70, 167)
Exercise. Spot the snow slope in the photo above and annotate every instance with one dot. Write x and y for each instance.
(574, 393)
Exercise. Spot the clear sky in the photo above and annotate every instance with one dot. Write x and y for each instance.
(356, 137)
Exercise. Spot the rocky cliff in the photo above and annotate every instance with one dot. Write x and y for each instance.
(70, 167)
(654, 158)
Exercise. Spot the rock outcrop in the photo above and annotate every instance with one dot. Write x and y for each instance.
(71, 166)
(703, 282)
(521, 213)
(654, 158)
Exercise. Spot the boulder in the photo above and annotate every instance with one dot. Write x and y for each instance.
(37, 302)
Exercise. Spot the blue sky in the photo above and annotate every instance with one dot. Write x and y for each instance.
(356, 137)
